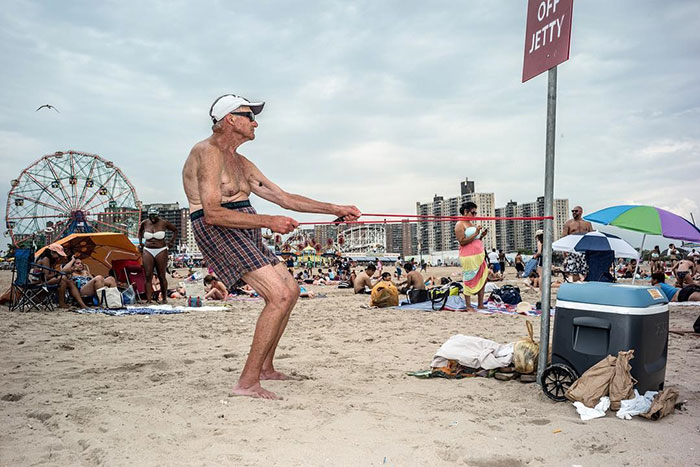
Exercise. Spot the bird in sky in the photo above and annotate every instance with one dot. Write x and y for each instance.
(48, 106)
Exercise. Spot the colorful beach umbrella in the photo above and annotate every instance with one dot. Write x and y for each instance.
(596, 241)
(647, 220)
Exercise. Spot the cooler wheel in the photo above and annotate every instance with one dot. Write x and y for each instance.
(556, 379)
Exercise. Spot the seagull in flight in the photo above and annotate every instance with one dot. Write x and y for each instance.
(48, 106)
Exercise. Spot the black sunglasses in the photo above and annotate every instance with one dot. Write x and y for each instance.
(249, 114)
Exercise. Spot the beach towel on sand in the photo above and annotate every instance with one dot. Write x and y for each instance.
(472, 258)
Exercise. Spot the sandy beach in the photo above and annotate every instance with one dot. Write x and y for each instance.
(155, 391)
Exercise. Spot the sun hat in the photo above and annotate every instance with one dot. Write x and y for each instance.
(523, 307)
(539, 232)
(57, 248)
(227, 103)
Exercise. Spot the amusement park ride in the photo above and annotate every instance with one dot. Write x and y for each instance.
(70, 192)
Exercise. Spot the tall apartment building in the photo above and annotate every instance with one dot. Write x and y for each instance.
(402, 238)
(514, 235)
(439, 236)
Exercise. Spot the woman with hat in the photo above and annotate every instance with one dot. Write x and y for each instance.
(51, 260)
(154, 250)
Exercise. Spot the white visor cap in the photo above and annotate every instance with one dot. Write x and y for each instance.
(228, 103)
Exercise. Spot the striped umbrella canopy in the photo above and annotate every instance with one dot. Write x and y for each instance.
(647, 220)
(596, 241)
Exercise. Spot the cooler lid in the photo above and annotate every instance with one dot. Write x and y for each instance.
(605, 293)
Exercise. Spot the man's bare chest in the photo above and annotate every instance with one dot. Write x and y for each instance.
(234, 178)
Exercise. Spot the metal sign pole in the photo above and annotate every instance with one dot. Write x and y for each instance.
(546, 282)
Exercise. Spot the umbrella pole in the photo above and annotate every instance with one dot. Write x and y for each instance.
(639, 260)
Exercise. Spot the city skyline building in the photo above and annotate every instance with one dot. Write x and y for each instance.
(439, 236)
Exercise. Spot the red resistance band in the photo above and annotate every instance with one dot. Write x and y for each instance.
(427, 219)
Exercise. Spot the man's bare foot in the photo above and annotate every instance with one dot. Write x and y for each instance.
(256, 391)
(278, 376)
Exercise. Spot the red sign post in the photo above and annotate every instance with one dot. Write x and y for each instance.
(547, 35)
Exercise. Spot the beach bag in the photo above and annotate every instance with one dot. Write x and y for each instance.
(384, 294)
(109, 297)
(508, 294)
(417, 296)
(529, 267)
(525, 352)
(438, 297)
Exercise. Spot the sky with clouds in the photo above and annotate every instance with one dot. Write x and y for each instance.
(378, 104)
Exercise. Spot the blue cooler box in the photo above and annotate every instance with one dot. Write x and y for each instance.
(596, 319)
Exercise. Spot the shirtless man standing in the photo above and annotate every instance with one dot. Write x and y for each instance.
(218, 182)
(575, 263)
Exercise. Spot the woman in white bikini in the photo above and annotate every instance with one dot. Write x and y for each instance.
(154, 250)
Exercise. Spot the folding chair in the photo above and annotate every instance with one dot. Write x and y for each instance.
(28, 294)
(129, 271)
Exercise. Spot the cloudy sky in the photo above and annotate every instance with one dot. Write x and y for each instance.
(376, 103)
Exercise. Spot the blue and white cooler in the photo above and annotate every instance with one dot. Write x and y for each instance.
(596, 319)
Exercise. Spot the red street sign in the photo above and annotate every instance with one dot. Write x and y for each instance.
(547, 36)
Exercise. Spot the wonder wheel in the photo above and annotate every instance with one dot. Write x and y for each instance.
(70, 192)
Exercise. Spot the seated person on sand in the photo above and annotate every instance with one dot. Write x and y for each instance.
(684, 270)
(51, 258)
(689, 293)
(414, 279)
(386, 277)
(494, 276)
(534, 280)
(216, 290)
(178, 292)
(84, 281)
(363, 282)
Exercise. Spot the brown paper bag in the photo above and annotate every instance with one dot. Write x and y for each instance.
(622, 383)
(594, 383)
(663, 404)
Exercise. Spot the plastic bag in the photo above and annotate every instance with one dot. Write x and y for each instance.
(598, 411)
(636, 406)
(129, 295)
(384, 294)
(526, 352)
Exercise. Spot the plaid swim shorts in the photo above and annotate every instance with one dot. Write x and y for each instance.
(231, 253)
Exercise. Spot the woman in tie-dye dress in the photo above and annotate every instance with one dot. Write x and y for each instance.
(471, 255)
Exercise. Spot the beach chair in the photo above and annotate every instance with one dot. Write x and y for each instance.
(599, 264)
(129, 271)
(28, 294)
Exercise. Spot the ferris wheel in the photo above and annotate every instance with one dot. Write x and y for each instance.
(70, 192)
